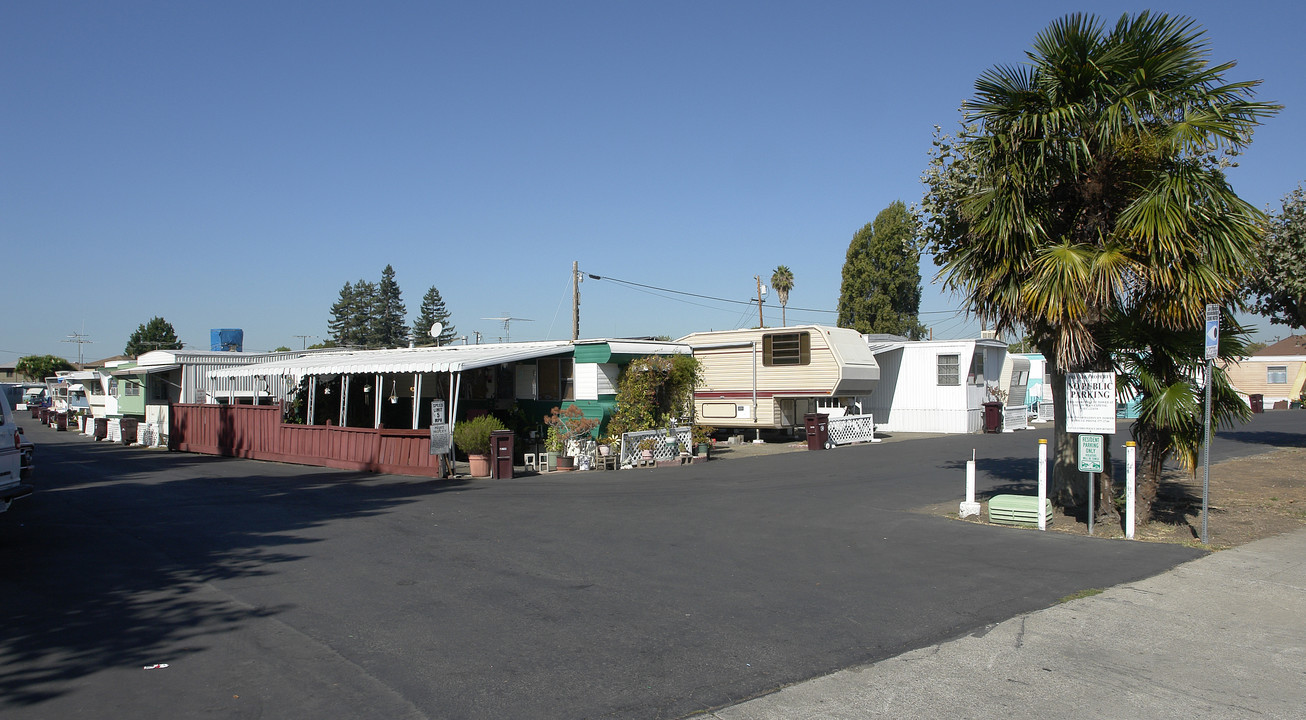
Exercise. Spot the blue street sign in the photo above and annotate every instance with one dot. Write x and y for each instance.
(1212, 331)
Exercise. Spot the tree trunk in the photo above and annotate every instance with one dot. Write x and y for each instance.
(1069, 489)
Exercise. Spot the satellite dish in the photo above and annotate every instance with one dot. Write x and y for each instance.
(436, 329)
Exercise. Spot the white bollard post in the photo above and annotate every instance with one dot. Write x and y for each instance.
(969, 506)
(1042, 482)
(1130, 487)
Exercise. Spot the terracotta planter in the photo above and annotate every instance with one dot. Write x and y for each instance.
(478, 465)
(566, 463)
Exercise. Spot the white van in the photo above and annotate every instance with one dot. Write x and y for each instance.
(15, 458)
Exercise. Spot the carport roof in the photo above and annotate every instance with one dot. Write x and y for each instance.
(405, 360)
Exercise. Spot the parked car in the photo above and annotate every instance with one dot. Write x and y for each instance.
(16, 456)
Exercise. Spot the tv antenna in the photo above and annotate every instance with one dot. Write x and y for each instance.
(80, 339)
(507, 324)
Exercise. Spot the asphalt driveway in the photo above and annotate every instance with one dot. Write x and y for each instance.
(291, 592)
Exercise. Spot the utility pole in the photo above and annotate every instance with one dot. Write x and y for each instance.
(760, 322)
(575, 300)
(303, 345)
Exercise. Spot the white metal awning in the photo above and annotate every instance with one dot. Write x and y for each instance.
(407, 360)
(146, 370)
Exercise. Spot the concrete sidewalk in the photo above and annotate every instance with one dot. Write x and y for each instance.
(1223, 636)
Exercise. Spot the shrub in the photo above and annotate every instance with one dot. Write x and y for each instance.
(473, 436)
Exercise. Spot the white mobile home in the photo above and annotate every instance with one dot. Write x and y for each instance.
(937, 386)
(772, 377)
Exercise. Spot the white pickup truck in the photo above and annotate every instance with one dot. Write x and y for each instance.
(16, 453)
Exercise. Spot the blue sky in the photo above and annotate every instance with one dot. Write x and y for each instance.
(234, 164)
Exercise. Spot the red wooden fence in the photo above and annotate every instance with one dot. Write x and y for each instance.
(257, 433)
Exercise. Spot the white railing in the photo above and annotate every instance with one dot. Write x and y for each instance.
(851, 429)
(662, 450)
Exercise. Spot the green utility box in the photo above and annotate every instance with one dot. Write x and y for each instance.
(1021, 510)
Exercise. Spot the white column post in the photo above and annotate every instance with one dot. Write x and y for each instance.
(1042, 482)
(1131, 482)
(417, 397)
(376, 401)
(969, 506)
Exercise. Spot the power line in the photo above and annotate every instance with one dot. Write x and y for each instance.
(749, 303)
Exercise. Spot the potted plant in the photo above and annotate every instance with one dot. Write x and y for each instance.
(645, 448)
(566, 427)
(473, 438)
(702, 436)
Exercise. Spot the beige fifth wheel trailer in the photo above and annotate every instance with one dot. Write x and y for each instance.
(772, 377)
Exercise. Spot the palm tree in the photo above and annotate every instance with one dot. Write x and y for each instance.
(1088, 187)
(783, 281)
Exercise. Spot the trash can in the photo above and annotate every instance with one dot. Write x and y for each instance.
(501, 454)
(992, 417)
(1258, 403)
(101, 428)
(128, 428)
(61, 421)
(818, 430)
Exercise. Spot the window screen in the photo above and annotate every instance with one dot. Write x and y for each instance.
(787, 349)
(949, 367)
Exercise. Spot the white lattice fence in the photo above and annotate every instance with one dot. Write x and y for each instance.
(662, 450)
(1015, 418)
(851, 429)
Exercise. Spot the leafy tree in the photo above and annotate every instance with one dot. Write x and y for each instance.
(782, 280)
(1087, 188)
(328, 343)
(433, 311)
(1280, 288)
(389, 313)
(881, 288)
(39, 367)
(157, 334)
(283, 348)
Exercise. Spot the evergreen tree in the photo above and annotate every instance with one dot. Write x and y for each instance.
(157, 334)
(389, 312)
(344, 326)
(365, 314)
(881, 289)
(433, 311)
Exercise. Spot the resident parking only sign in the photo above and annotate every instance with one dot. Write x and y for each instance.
(1091, 403)
(1090, 453)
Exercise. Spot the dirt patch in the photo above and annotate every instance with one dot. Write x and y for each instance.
(1250, 498)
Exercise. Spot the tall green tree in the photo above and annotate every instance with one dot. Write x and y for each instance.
(1280, 288)
(157, 334)
(881, 288)
(1087, 186)
(389, 312)
(433, 311)
(353, 320)
(782, 280)
(39, 367)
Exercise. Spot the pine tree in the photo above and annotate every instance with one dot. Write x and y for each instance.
(432, 311)
(881, 289)
(389, 313)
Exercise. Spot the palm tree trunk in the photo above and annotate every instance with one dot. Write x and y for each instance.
(1069, 486)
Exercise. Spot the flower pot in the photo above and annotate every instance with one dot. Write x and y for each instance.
(478, 465)
(703, 449)
(566, 463)
(551, 463)
(646, 454)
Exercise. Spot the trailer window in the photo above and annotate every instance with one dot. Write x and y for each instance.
(949, 366)
(787, 349)
(1276, 375)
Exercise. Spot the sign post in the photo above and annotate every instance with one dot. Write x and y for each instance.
(1091, 412)
(1090, 461)
(1212, 352)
